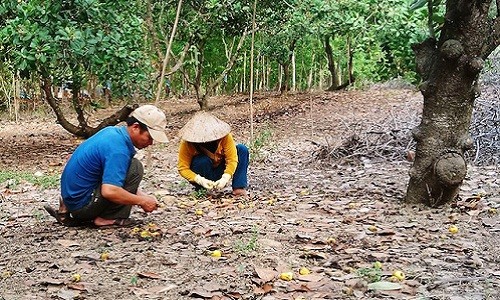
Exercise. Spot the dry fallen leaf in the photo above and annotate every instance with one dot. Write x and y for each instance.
(266, 274)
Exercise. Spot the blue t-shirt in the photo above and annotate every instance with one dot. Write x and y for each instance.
(102, 159)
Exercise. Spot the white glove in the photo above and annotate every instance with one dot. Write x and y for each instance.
(208, 184)
(222, 182)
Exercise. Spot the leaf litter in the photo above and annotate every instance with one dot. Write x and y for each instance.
(304, 210)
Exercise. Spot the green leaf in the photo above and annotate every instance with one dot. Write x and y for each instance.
(384, 286)
(418, 4)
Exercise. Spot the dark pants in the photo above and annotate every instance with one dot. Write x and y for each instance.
(101, 207)
(201, 164)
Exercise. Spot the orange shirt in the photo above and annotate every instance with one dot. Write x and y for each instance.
(225, 149)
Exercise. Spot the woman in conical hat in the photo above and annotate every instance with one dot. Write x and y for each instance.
(208, 156)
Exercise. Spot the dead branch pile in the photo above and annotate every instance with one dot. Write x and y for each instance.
(485, 129)
(390, 138)
(380, 142)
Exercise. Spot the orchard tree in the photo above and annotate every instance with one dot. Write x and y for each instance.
(72, 41)
(209, 24)
(449, 65)
(283, 25)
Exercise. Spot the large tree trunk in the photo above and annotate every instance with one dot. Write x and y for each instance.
(450, 68)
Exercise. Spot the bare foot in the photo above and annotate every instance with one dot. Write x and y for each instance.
(239, 192)
(62, 207)
(103, 222)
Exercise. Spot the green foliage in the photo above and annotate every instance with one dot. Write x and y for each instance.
(121, 41)
(199, 193)
(72, 40)
(14, 178)
(38, 214)
(246, 246)
(372, 274)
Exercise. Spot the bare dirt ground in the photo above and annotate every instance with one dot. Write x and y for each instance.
(327, 182)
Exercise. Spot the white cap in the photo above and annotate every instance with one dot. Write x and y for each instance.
(154, 119)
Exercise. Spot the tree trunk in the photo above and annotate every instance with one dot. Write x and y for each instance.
(285, 84)
(294, 73)
(83, 130)
(286, 78)
(450, 68)
(331, 65)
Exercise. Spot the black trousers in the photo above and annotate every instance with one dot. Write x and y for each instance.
(102, 207)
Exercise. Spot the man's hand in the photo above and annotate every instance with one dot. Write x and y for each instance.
(149, 204)
(222, 182)
(208, 184)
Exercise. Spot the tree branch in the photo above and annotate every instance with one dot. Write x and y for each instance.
(430, 7)
(230, 63)
(180, 61)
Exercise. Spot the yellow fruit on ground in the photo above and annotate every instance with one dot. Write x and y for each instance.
(331, 241)
(145, 234)
(372, 228)
(453, 229)
(104, 256)
(304, 271)
(287, 276)
(199, 212)
(377, 265)
(76, 277)
(398, 275)
(216, 253)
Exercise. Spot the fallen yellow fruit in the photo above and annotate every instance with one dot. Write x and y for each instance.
(453, 229)
(104, 256)
(372, 228)
(331, 241)
(304, 271)
(199, 212)
(398, 275)
(145, 234)
(287, 276)
(216, 253)
(377, 265)
(76, 277)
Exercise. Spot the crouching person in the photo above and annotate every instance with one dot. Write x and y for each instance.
(208, 156)
(100, 182)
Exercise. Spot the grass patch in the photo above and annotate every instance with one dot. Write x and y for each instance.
(261, 140)
(246, 246)
(372, 274)
(199, 194)
(14, 178)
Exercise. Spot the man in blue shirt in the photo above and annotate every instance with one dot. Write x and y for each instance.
(100, 182)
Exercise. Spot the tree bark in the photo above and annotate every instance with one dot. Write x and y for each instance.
(450, 69)
(83, 130)
(285, 84)
(331, 65)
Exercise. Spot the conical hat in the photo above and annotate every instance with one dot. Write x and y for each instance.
(204, 127)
